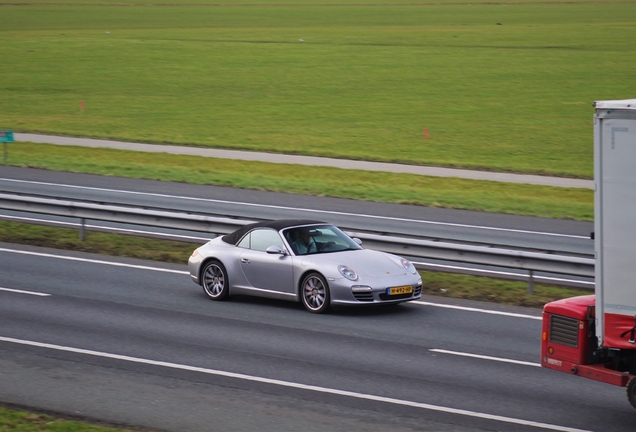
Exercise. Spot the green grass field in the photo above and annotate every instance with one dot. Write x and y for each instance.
(505, 87)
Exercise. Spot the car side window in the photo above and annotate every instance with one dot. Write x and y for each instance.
(263, 238)
(245, 241)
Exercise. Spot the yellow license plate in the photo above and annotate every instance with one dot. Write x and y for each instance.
(401, 290)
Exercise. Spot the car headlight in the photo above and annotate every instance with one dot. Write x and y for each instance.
(348, 273)
(408, 265)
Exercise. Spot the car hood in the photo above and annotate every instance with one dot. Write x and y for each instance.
(368, 263)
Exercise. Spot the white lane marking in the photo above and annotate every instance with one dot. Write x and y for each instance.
(483, 357)
(290, 384)
(470, 309)
(116, 264)
(24, 292)
(298, 209)
(557, 280)
(487, 311)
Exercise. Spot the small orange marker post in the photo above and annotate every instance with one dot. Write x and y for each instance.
(425, 133)
(81, 106)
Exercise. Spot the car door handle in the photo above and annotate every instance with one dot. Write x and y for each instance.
(245, 261)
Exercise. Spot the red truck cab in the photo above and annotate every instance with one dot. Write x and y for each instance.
(569, 344)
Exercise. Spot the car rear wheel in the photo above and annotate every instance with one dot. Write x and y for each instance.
(215, 281)
(314, 292)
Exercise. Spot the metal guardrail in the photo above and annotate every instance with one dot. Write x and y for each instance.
(482, 255)
(121, 214)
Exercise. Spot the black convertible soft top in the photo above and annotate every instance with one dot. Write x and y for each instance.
(233, 238)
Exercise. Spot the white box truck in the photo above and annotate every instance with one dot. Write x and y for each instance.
(595, 336)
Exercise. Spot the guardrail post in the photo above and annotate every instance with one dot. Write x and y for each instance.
(531, 282)
(83, 230)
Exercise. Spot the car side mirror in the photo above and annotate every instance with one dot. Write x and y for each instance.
(357, 240)
(275, 250)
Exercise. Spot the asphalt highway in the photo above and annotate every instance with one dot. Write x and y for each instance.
(135, 342)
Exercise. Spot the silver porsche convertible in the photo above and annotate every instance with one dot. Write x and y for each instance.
(302, 260)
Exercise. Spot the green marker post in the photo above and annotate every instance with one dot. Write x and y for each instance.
(5, 138)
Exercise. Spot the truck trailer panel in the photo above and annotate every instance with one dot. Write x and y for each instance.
(615, 220)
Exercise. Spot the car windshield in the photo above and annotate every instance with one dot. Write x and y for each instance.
(318, 239)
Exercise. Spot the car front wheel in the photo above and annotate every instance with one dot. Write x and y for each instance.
(314, 292)
(215, 281)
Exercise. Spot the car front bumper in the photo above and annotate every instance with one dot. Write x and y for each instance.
(358, 294)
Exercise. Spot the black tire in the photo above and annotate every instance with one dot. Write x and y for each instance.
(314, 292)
(214, 280)
(631, 392)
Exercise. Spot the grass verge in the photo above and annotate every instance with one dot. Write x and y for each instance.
(489, 196)
(18, 420)
(494, 290)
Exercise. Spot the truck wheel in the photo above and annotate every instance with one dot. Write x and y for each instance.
(631, 392)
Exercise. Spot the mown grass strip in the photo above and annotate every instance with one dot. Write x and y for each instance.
(96, 242)
(19, 420)
(494, 290)
(455, 193)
